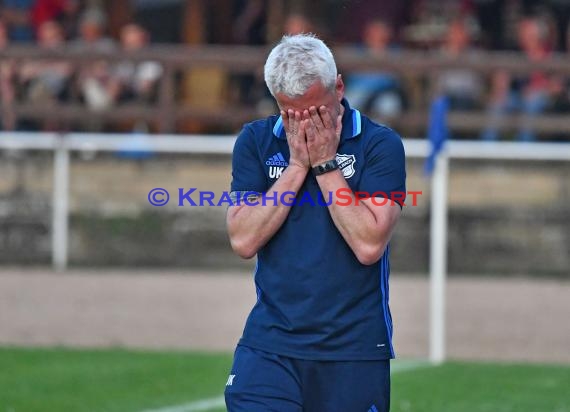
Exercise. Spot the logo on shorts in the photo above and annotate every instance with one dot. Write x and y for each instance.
(346, 164)
(277, 164)
(230, 381)
(373, 409)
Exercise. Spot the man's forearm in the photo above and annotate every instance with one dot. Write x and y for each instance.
(251, 226)
(366, 232)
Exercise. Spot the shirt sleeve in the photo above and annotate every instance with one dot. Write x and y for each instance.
(384, 173)
(248, 174)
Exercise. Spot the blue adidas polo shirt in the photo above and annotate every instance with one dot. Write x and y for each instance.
(315, 300)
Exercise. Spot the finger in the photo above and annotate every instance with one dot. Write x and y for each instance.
(338, 126)
(316, 118)
(303, 130)
(298, 119)
(310, 130)
(307, 117)
(326, 117)
(291, 116)
(302, 126)
(285, 119)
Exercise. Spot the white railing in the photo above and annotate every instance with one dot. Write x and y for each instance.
(63, 144)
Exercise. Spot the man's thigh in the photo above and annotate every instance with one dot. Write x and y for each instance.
(262, 382)
(362, 386)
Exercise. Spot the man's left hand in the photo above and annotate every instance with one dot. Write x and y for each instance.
(323, 134)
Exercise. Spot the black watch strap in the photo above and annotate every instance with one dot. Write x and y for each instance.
(325, 167)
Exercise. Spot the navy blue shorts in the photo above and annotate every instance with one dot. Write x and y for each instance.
(265, 382)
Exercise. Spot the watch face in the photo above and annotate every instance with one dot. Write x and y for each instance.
(325, 167)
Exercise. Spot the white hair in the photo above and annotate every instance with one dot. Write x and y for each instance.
(296, 63)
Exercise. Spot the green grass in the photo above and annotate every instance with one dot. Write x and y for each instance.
(50, 380)
(473, 387)
(46, 380)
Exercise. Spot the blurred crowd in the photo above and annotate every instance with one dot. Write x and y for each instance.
(54, 24)
(452, 28)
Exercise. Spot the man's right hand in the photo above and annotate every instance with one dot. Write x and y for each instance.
(295, 130)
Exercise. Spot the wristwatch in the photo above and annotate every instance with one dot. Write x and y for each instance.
(325, 167)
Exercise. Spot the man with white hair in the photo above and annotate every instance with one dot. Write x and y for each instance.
(316, 192)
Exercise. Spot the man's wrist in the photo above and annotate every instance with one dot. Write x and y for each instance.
(298, 165)
(325, 167)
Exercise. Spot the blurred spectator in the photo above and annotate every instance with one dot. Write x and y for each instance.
(297, 23)
(47, 10)
(530, 95)
(250, 28)
(561, 12)
(430, 19)
(69, 19)
(65, 12)
(7, 92)
(351, 17)
(463, 87)
(134, 80)
(561, 86)
(161, 18)
(4, 38)
(17, 16)
(92, 26)
(46, 81)
(250, 21)
(94, 80)
(491, 19)
(376, 93)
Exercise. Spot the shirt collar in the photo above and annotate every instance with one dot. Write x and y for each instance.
(351, 123)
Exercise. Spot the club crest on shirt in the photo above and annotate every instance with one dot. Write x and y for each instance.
(346, 164)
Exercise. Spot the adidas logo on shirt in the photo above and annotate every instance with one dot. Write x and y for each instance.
(277, 160)
(277, 164)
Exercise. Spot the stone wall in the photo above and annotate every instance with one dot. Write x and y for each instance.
(504, 217)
